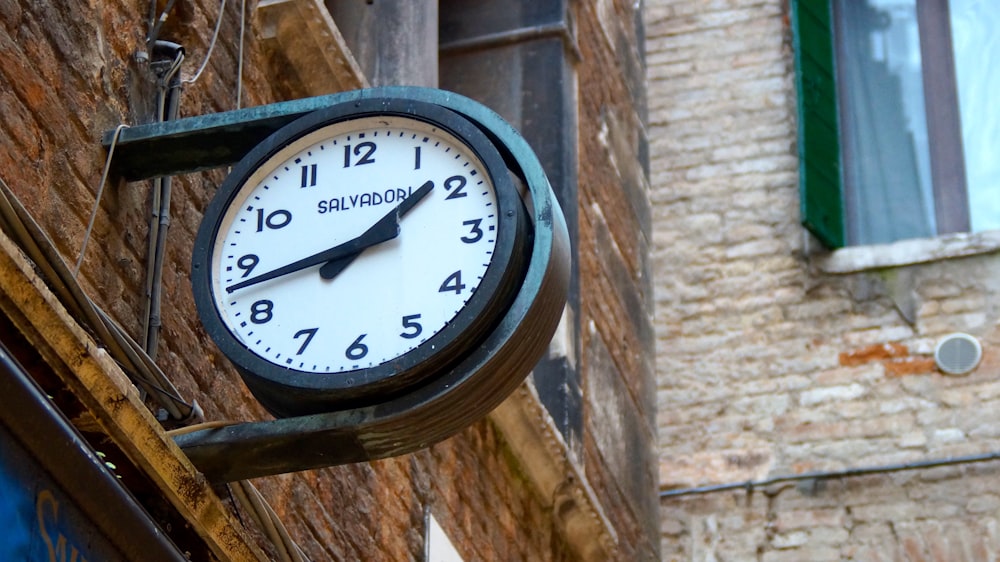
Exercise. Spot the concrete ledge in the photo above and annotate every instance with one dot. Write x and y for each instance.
(856, 259)
(307, 36)
(544, 457)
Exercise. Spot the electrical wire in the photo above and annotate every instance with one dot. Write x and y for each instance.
(17, 222)
(151, 22)
(244, 492)
(97, 200)
(200, 426)
(250, 497)
(211, 45)
(157, 24)
(750, 485)
(28, 235)
(22, 228)
(239, 65)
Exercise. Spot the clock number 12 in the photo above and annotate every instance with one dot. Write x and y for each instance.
(365, 150)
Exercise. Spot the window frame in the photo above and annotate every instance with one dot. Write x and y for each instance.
(944, 125)
(825, 201)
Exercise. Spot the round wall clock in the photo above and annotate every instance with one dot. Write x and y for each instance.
(383, 271)
(358, 253)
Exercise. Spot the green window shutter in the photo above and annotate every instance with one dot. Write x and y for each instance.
(819, 144)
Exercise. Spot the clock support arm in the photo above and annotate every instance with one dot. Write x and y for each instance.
(204, 142)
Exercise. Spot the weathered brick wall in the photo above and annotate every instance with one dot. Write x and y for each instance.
(68, 73)
(615, 294)
(767, 366)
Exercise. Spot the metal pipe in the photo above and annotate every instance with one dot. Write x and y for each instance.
(749, 485)
(156, 23)
(512, 37)
(168, 103)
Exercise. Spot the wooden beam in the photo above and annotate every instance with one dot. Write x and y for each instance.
(96, 380)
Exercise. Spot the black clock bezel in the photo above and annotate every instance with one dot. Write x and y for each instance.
(285, 391)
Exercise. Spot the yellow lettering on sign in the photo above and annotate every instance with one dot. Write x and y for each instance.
(47, 505)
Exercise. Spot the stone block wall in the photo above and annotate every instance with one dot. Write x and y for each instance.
(939, 514)
(768, 363)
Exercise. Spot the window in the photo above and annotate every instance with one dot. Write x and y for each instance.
(896, 127)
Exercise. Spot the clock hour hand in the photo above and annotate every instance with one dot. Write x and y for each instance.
(385, 229)
(333, 267)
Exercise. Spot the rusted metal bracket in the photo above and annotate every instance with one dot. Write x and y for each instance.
(200, 143)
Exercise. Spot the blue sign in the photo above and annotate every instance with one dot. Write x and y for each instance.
(38, 521)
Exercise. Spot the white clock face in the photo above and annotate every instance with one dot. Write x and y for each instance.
(354, 244)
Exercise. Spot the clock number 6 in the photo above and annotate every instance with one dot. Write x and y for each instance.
(357, 350)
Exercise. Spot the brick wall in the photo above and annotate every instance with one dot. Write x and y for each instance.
(69, 72)
(615, 295)
(768, 366)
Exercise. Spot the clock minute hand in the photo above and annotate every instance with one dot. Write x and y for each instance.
(385, 229)
(333, 267)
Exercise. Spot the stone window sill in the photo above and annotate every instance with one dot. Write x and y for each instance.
(856, 259)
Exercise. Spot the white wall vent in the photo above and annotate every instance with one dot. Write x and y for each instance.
(958, 354)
